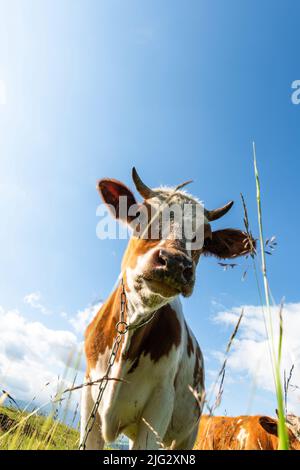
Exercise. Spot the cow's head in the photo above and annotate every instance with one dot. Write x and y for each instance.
(159, 267)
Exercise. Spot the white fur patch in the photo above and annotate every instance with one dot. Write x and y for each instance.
(163, 192)
(242, 437)
(137, 306)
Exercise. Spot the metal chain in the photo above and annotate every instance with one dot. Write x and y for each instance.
(121, 328)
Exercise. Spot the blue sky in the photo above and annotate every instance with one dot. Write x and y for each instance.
(178, 90)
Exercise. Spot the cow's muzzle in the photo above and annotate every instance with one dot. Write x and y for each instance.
(172, 272)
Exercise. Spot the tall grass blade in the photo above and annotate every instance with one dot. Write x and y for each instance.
(282, 431)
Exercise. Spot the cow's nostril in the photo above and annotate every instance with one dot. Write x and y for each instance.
(161, 259)
(187, 274)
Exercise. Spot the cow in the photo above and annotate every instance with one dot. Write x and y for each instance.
(157, 378)
(240, 433)
(293, 422)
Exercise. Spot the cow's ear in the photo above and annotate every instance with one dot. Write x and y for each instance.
(228, 243)
(118, 198)
(269, 425)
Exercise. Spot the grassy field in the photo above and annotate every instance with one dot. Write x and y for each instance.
(20, 430)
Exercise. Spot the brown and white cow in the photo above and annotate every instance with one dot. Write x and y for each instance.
(161, 361)
(240, 433)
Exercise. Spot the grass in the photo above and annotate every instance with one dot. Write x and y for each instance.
(275, 353)
(21, 430)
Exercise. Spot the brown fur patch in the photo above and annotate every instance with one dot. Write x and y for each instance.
(221, 433)
(101, 332)
(190, 344)
(136, 247)
(156, 338)
(198, 371)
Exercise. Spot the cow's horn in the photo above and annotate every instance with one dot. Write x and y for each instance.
(144, 191)
(217, 213)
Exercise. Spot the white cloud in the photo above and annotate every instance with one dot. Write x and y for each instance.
(83, 317)
(33, 300)
(31, 355)
(250, 351)
(34, 358)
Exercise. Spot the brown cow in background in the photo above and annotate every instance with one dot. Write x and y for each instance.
(240, 433)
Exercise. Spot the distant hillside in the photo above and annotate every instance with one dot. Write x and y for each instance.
(19, 430)
(69, 416)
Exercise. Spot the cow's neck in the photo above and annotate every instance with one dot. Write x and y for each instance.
(141, 308)
(138, 313)
(140, 317)
(155, 337)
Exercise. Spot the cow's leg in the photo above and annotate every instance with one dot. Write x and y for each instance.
(189, 442)
(94, 439)
(155, 420)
